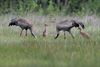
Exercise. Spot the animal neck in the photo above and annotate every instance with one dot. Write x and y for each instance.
(71, 27)
(16, 23)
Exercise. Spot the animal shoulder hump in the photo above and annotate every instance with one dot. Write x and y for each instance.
(21, 20)
(64, 23)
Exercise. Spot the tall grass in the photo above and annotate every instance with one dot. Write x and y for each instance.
(16, 51)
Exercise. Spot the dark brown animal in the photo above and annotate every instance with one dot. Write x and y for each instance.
(23, 24)
(67, 26)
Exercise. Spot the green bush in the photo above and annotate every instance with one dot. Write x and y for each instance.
(50, 6)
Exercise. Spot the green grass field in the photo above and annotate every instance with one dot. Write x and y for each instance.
(16, 51)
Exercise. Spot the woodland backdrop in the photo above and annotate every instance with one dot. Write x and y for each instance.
(52, 7)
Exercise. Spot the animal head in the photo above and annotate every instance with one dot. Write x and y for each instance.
(77, 24)
(13, 22)
(81, 24)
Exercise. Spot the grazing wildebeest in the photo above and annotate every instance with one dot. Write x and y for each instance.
(67, 26)
(23, 24)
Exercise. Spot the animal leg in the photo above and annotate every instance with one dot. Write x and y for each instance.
(57, 35)
(21, 32)
(64, 35)
(32, 33)
(26, 33)
(71, 35)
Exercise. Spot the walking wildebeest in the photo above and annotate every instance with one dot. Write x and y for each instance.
(23, 24)
(67, 26)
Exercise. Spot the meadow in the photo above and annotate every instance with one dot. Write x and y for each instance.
(16, 51)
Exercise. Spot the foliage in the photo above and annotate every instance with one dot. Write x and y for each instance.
(50, 6)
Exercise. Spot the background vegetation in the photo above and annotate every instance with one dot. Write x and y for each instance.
(52, 7)
(22, 51)
(25, 51)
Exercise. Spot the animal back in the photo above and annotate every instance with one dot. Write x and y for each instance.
(24, 22)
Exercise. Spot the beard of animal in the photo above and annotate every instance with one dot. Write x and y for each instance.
(13, 23)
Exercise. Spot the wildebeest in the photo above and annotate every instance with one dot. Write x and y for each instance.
(67, 25)
(24, 24)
